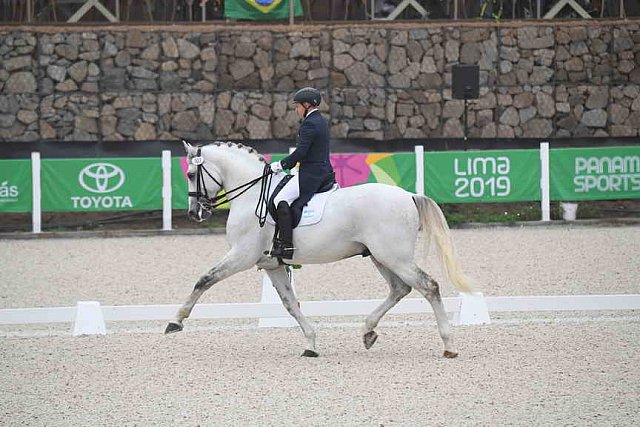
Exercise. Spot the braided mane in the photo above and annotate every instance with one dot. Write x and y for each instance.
(239, 146)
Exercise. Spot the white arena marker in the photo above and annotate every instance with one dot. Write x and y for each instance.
(270, 296)
(89, 319)
(473, 310)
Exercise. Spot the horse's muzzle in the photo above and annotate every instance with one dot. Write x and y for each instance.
(193, 215)
(199, 214)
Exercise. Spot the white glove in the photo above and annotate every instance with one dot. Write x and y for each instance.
(276, 167)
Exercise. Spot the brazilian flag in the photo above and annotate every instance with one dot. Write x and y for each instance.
(260, 9)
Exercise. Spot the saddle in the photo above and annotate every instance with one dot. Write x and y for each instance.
(310, 212)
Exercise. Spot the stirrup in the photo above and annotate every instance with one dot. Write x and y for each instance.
(282, 250)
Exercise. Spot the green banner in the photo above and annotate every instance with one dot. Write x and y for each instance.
(594, 173)
(81, 185)
(15, 186)
(84, 185)
(260, 9)
(394, 169)
(482, 176)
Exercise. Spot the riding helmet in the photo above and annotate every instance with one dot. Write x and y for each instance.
(308, 94)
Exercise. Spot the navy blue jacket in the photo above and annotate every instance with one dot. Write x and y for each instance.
(312, 151)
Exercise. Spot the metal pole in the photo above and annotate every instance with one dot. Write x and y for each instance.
(36, 194)
(166, 190)
(455, 9)
(545, 203)
(419, 150)
(291, 12)
(465, 121)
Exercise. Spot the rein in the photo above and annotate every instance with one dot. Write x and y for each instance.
(209, 203)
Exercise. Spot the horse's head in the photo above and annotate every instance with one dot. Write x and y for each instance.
(203, 185)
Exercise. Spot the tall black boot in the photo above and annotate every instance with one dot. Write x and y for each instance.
(283, 245)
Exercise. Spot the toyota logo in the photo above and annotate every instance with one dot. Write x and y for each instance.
(101, 178)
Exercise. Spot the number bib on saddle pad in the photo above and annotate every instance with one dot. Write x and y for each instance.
(312, 211)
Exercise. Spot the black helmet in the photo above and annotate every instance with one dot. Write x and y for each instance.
(308, 94)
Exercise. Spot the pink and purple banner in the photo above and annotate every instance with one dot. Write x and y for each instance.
(351, 169)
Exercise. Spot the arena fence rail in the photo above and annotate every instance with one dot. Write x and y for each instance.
(464, 313)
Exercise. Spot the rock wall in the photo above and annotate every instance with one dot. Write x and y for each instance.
(379, 82)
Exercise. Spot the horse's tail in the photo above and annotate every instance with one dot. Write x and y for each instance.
(433, 223)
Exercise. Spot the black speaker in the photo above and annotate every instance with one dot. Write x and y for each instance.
(466, 81)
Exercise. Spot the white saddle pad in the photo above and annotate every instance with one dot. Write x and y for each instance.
(312, 212)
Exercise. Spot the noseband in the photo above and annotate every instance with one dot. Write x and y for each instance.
(201, 194)
(207, 204)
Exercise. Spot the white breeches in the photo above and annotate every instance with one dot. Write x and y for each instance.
(289, 193)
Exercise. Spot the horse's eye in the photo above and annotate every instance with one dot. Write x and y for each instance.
(191, 175)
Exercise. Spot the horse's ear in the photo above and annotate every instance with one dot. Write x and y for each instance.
(187, 147)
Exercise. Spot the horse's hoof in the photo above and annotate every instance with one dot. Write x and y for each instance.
(369, 339)
(173, 327)
(309, 353)
(450, 354)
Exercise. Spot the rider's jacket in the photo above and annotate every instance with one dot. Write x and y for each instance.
(312, 151)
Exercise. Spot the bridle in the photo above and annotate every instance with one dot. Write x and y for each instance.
(207, 204)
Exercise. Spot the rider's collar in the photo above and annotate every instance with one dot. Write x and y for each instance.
(306, 113)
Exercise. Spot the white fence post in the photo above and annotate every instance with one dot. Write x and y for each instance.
(270, 296)
(166, 190)
(419, 149)
(545, 204)
(36, 193)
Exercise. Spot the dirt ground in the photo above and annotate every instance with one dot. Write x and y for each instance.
(572, 368)
(571, 374)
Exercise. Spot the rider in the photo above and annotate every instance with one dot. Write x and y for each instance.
(312, 151)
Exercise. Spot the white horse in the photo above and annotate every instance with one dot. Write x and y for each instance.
(376, 219)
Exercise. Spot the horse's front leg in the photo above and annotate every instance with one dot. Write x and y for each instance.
(233, 262)
(282, 282)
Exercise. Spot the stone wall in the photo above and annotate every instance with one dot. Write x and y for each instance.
(379, 82)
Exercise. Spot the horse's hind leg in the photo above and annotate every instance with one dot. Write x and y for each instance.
(232, 263)
(429, 288)
(282, 282)
(397, 290)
